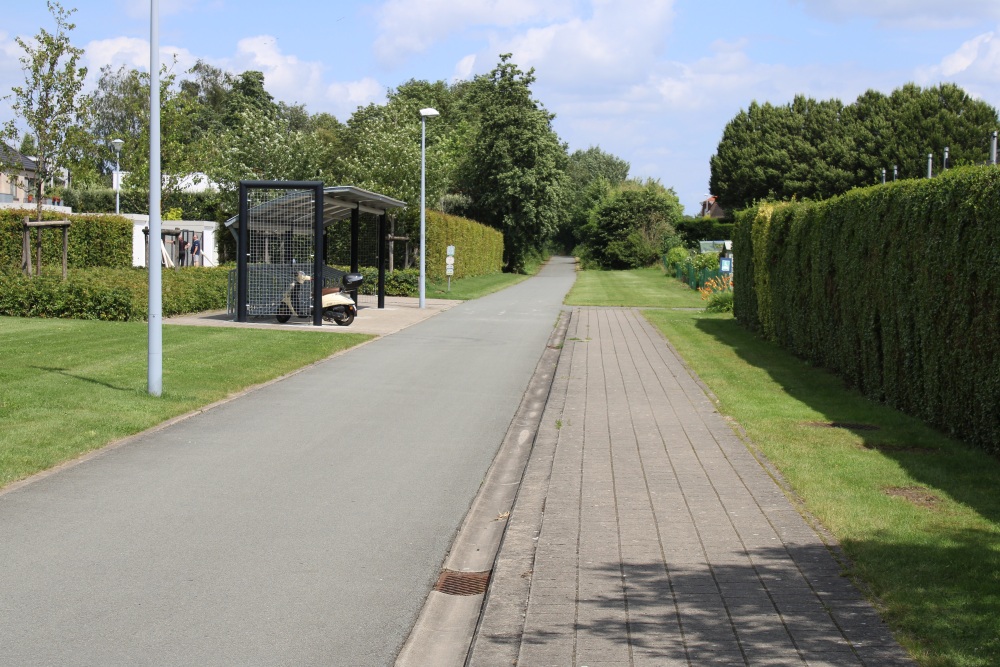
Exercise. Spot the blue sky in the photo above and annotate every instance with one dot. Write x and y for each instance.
(652, 81)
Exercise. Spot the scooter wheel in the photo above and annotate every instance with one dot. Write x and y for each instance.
(284, 314)
(341, 316)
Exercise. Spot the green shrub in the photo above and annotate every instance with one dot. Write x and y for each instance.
(94, 240)
(720, 302)
(676, 255)
(110, 294)
(895, 287)
(192, 205)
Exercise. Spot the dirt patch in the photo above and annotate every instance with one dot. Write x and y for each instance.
(916, 495)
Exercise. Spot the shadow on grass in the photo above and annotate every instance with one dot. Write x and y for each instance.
(951, 583)
(66, 373)
(965, 473)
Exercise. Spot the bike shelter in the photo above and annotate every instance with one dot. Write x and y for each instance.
(282, 229)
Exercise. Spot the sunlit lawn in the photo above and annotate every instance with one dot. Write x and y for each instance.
(647, 288)
(69, 386)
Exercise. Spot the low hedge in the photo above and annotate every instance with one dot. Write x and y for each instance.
(895, 287)
(94, 240)
(110, 294)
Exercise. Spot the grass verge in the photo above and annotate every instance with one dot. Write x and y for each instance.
(464, 289)
(645, 288)
(917, 512)
(70, 386)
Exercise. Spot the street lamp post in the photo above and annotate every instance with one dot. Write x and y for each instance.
(117, 145)
(424, 115)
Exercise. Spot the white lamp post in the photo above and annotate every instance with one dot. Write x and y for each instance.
(117, 145)
(424, 115)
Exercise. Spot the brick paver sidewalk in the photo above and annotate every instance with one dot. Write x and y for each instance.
(645, 533)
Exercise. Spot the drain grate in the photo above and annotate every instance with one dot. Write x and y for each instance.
(462, 583)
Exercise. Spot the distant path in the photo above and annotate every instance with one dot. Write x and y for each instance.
(302, 524)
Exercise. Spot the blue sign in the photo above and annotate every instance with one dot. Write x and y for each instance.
(726, 264)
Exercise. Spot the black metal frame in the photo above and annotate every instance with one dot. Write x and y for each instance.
(243, 249)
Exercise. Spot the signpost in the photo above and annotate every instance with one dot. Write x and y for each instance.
(449, 261)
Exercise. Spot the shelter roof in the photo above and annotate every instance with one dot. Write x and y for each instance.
(338, 202)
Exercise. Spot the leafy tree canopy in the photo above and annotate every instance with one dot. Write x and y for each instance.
(816, 149)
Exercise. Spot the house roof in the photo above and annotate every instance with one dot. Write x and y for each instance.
(9, 155)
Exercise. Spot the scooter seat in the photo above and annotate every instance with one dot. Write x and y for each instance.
(331, 290)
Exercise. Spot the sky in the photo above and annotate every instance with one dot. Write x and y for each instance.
(651, 81)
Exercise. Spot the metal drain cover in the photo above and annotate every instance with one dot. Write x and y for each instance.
(462, 583)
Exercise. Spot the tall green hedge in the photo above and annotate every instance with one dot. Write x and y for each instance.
(94, 240)
(895, 287)
(478, 248)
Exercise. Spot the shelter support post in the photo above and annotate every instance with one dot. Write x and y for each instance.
(383, 243)
(242, 257)
(355, 244)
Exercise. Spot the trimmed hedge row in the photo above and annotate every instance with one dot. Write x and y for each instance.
(895, 287)
(478, 248)
(94, 240)
(110, 294)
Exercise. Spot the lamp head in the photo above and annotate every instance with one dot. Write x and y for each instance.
(429, 113)
(117, 145)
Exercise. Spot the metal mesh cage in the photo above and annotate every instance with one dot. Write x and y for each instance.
(282, 243)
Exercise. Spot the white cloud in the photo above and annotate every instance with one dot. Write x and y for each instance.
(134, 53)
(913, 14)
(286, 77)
(975, 66)
(618, 43)
(344, 98)
(464, 68)
(412, 26)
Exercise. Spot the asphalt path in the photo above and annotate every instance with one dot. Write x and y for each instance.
(301, 524)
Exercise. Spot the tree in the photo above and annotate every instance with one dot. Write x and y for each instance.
(631, 226)
(590, 176)
(47, 102)
(515, 169)
(261, 146)
(810, 149)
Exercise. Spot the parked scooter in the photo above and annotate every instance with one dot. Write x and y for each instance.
(338, 306)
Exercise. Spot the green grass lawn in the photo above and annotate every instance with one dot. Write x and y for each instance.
(646, 288)
(474, 287)
(70, 386)
(917, 512)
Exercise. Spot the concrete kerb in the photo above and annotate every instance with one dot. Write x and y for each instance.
(446, 626)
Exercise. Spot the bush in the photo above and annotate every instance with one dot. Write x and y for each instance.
(631, 226)
(110, 294)
(94, 240)
(895, 287)
(720, 302)
(676, 255)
